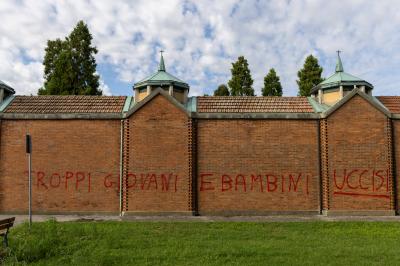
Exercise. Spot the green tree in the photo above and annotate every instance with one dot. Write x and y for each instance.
(309, 76)
(222, 90)
(272, 84)
(70, 65)
(241, 81)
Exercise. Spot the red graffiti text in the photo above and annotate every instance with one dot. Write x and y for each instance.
(152, 181)
(361, 183)
(265, 183)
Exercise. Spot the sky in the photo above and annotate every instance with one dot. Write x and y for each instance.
(201, 39)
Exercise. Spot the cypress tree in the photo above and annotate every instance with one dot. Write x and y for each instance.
(309, 76)
(241, 81)
(272, 84)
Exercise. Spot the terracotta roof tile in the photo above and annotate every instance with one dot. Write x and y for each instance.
(391, 102)
(248, 104)
(66, 104)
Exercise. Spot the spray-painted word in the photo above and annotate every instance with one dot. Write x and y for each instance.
(361, 183)
(84, 181)
(159, 182)
(68, 180)
(295, 182)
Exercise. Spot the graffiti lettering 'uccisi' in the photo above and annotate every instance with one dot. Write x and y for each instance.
(361, 183)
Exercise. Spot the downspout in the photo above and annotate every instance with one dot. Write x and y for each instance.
(195, 192)
(319, 167)
(394, 166)
(121, 166)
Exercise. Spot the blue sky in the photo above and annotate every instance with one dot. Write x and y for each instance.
(203, 38)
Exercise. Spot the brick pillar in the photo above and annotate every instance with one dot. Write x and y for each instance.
(324, 164)
(391, 165)
(192, 169)
(125, 165)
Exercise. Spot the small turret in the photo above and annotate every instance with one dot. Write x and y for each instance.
(339, 85)
(161, 79)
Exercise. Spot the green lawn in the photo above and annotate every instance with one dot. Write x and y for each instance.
(204, 243)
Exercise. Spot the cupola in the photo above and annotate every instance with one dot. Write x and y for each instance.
(162, 79)
(334, 88)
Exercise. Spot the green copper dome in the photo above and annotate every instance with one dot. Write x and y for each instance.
(161, 78)
(341, 78)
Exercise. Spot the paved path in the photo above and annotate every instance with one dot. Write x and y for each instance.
(277, 218)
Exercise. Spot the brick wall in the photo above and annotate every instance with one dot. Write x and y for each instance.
(239, 166)
(75, 165)
(358, 157)
(257, 165)
(158, 179)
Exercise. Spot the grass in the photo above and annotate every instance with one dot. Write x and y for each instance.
(204, 243)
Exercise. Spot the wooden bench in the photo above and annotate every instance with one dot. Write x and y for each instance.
(5, 225)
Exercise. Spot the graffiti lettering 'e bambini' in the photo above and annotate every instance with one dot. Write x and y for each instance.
(255, 182)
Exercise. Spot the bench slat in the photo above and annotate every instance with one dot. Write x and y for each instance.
(5, 226)
(8, 220)
(6, 223)
(10, 223)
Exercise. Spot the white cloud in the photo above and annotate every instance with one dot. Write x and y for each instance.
(277, 34)
(104, 87)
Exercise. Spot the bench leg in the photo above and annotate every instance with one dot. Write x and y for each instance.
(5, 240)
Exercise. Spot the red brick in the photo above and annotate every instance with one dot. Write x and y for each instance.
(159, 146)
(358, 141)
(258, 147)
(60, 146)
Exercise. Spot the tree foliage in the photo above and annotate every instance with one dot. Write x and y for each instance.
(241, 81)
(222, 90)
(309, 76)
(272, 84)
(70, 65)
